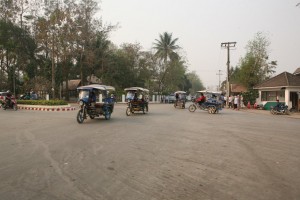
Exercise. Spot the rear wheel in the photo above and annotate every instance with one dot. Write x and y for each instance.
(272, 111)
(211, 110)
(80, 116)
(192, 108)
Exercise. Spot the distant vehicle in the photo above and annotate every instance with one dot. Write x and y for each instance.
(180, 102)
(137, 100)
(170, 98)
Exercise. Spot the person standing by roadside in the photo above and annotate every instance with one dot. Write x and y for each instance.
(236, 102)
(242, 101)
(230, 99)
(225, 99)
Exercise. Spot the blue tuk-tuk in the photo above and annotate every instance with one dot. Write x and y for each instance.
(95, 100)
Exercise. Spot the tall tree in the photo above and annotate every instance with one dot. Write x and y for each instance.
(195, 82)
(165, 48)
(255, 67)
(16, 53)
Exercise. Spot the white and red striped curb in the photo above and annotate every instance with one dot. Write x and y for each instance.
(47, 108)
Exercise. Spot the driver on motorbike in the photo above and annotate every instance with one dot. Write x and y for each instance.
(201, 99)
(8, 98)
(92, 98)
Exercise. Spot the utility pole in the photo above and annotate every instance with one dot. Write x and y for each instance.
(219, 74)
(228, 45)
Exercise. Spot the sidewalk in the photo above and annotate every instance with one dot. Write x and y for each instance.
(47, 108)
(295, 115)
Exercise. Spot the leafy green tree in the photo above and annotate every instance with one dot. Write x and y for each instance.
(196, 83)
(255, 66)
(16, 52)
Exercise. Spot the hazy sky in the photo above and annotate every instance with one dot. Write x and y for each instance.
(202, 25)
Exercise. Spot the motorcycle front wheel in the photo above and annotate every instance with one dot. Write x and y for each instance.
(80, 116)
(272, 111)
(107, 115)
(192, 108)
(128, 111)
(147, 109)
(15, 107)
(287, 112)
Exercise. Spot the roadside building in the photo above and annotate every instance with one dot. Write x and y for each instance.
(284, 87)
(237, 89)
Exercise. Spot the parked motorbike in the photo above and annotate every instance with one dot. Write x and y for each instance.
(9, 103)
(25, 96)
(280, 109)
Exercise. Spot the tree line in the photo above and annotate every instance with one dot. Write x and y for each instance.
(43, 44)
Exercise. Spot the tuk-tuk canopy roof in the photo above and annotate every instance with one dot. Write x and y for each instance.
(97, 87)
(136, 89)
(180, 92)
(209, 92)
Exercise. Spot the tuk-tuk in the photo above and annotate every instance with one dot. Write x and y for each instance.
(213, 104)
(95, 100)
(180, 99)
(137, 100)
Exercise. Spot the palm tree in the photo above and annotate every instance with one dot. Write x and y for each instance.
(165, 47)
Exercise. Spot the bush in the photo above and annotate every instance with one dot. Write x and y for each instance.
(250, 96)
(43, 102)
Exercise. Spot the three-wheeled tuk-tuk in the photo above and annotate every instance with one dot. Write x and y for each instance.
(137, 100)
(180, 99)
(95, 100)
(212, 104)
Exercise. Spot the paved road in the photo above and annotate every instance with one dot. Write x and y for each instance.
(166, 154)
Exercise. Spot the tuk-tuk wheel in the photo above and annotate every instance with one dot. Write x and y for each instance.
(128, 111)
(212, 110)
(192, 108)
(107, 115)
(80, 117)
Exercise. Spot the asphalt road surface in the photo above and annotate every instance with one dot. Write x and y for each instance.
(166, 154)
